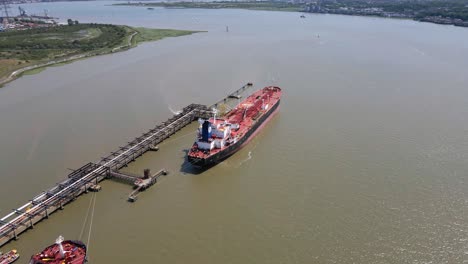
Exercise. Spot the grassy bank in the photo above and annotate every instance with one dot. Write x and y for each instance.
(148, 34)
(28, 50)
(268, 6)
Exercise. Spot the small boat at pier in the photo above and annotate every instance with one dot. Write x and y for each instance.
(95, 188)
(234, 96)
(153, 147)
(9, 257)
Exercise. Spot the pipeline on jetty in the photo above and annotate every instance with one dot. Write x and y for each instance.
(77, 182)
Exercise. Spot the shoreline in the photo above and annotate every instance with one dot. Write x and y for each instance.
(389, 17)
(131, 41)
(300, 8)
(256, 6)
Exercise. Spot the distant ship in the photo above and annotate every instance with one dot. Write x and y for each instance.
(218, 138)
(150, 8)
(302, 16)
(62, 252)
(9, 257)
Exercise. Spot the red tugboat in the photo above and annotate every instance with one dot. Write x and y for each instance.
(62, 252)
(9, 257)
(218, 138)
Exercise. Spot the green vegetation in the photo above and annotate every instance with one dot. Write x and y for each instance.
(269, 6)
(453, 12)
(147, 34)
(26, 50)
(34, 71)
(52, 42)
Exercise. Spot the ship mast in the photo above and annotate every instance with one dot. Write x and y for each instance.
(59, 241)
(214, 116)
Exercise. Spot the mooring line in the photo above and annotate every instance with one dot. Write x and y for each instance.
(91, 225)
(86, 218)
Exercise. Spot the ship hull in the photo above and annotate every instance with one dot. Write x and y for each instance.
(233, 148)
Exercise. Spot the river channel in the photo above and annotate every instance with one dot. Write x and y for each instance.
(366, 161)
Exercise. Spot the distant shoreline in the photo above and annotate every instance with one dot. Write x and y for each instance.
(447, 12)
(24, 61)
(265, 6)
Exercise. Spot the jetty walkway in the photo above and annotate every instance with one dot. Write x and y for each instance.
(78, 182)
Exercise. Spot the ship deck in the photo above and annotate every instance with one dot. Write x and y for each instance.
(245, 114)
(74, 253)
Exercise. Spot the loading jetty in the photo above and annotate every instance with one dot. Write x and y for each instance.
(89, 175)
(142, 184)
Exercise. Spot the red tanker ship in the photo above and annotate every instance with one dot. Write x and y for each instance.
(218, 138)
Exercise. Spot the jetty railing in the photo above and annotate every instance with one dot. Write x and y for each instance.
(78, 181)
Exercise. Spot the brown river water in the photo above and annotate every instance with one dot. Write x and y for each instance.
(366, 161)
